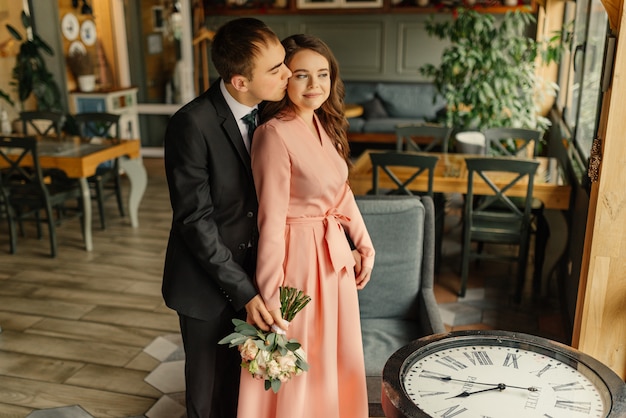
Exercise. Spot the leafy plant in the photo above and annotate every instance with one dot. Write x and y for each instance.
(80, 63)
(488, 72)
(30, 74)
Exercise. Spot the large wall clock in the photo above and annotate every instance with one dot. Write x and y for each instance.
(489, 374)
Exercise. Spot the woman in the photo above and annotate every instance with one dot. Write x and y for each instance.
(300, 160)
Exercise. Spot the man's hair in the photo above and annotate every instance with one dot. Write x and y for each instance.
(237, 43)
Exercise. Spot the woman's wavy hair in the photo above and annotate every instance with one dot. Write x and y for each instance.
(331, 113)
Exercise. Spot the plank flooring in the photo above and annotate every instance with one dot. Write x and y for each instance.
(74, 328)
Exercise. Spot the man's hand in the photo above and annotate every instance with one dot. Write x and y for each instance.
(258, 314)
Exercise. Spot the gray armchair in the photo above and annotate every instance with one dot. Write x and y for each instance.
(398, 305)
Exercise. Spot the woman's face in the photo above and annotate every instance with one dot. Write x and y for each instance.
(310, 84)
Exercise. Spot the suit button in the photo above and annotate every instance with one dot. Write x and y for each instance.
(249, 214)
(242, 246)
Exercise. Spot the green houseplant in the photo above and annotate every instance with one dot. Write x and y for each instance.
(82, 68)
(488, 72)
(30, 74)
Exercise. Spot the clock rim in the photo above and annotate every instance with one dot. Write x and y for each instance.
(397, 404)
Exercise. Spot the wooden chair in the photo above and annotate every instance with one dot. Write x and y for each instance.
(106, 182)
(422, 165)
(30, 191)
(523, 143)
(398, 304)
(6, 211)
(496, 218)
(42, 122)
(422, 138)
(516, 142)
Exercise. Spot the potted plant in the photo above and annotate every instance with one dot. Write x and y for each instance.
(488, 72)
(82, 68)
(30, 74)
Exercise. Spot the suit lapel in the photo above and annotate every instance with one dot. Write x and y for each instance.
(229, 125)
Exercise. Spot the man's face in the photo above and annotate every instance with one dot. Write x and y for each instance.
(270, 75)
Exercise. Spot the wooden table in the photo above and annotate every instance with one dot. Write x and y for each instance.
(451, 177)
(79, 160)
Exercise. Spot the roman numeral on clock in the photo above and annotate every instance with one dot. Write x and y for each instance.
(451, 362)
(511, 360)
(450, 412)
(568, 386)
(584, 407)
(479, 357)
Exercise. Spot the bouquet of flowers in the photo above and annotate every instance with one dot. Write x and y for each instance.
(270, 355)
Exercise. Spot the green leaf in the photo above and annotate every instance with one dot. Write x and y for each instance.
(14, 33)
(275, 385)
(229, 338)
(292, 345)
(300, 363)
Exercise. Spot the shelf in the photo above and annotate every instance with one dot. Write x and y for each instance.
(253, 7)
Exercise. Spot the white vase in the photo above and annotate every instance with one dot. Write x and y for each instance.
(87, 83)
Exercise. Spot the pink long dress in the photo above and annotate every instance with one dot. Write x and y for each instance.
(304, 205)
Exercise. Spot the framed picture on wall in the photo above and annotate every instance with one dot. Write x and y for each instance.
(335, 4)
(158, 19)
(318, 4)
(361, 3)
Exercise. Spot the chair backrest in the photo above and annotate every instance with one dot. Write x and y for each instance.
(498, 207)
(98, 124)
(390, 161)
(423, 138)
(402, 231)
(42, 122)
(517, 142)
(14, 151)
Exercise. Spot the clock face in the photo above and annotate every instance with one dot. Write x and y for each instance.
(503, 375)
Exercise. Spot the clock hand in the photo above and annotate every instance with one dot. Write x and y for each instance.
(465, 394)
(448, 378)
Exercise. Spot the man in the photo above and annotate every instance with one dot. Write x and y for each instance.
(211, 253)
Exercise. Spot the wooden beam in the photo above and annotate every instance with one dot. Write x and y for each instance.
(600, 321)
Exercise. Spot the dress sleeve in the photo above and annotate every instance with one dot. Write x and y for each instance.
(271, 168)
(356, 228)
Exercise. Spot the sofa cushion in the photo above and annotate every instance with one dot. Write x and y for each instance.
(359, 91)
(382, 337)
(409, 100)
(400, 239)
(356, 124)
(374, 109)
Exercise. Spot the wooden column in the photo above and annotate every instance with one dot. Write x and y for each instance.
(600, 323)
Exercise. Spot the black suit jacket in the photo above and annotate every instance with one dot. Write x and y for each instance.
(210, 257)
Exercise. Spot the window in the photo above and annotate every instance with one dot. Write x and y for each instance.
(581, 71)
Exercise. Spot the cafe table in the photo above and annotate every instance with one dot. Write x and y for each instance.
(450, 176)
(79, 159)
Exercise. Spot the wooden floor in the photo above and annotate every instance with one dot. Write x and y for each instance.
(74, 328)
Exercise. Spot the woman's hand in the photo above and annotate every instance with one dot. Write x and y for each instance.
(279, 322)
(363, 277)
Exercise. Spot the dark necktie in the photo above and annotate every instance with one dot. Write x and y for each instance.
(250, 121)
